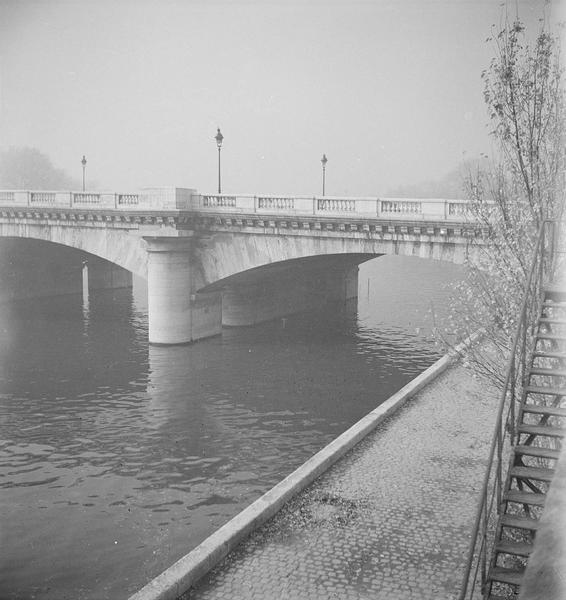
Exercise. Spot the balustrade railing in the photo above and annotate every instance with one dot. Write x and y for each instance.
(148, 199)
(157, 199)
(401, 206)
(218, 201)
(85, 198)
(43, 198)
(274, 203)
(336, 205)
(457, 209)
(7, 198)
(389, 208)
(128, 199)
(504, 436)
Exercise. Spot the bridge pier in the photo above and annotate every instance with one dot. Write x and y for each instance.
(176, 313)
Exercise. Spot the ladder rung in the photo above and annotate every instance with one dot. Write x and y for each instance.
(525, 498)
(547, 391)
(519, 522)
(541, 430)
(514, 548)
(537, 451)
(550, 336)
(551, 304)
(547, 372)
(532, 473)
(555, 292)
(510, 576)
(553, 411)
(554, 286)
(551, 321)
(549, 354)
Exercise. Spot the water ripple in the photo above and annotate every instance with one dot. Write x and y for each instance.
(118, 457)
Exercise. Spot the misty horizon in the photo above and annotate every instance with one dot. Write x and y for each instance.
(390, 92)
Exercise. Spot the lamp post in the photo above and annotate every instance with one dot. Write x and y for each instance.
(219, 137)
(323, 160)
(83, 163)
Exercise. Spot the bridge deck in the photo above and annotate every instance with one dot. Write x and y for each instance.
(390, 520)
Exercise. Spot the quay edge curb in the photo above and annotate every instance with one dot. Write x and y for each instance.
(178, 578)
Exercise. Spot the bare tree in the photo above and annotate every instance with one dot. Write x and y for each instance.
(511, 195)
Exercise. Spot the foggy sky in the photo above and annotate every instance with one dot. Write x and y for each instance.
(390, 90)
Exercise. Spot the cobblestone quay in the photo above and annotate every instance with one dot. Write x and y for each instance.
(391, 520)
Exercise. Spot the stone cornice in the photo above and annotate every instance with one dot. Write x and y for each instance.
(268, 224)
(331, 226)
(90, 217)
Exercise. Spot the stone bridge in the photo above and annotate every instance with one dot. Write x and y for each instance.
(213, 260)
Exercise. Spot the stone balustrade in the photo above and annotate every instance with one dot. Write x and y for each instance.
(171, 198)
(219, 201)
(43, 198)
(149, 199)
(387, 208)
(278, 203)
(128, 199)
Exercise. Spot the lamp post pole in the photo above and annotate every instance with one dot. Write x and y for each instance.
(83, 163)
(323, 160)
(219, 137)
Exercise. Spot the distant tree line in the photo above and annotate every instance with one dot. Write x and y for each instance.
(451, 186)
(25, 168)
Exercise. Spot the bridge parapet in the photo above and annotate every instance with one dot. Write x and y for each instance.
(387, 208)
(148, 199)
(184, 199)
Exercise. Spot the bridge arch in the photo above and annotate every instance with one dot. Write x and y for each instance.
(224, 256)
(113, 245)
(32, 267)
(289, 269)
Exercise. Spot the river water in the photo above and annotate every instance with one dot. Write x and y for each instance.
(117, 458)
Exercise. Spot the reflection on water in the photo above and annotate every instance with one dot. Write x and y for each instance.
(117, 458)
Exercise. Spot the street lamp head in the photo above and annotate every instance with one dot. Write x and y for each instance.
(83, 161)
(219, 137)
(323, 160)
